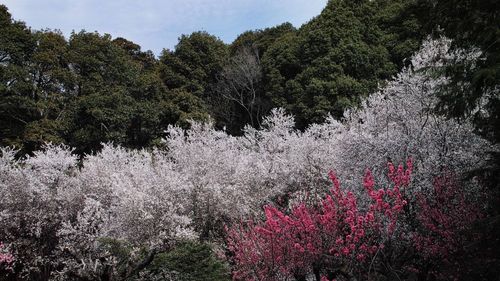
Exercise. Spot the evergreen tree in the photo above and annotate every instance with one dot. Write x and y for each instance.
(339, 57)
(17, 109)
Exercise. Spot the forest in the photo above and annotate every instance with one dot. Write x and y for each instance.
(362, 145)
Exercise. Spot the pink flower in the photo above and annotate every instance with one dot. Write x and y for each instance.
(360, 257)
(5, 257)
(345, 251)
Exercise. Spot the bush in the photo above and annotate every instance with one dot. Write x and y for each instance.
(188, 261)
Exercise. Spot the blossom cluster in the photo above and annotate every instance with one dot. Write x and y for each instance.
(445, 216)
(312, 238)
(340, 239)
(57, 215)
(5, 257)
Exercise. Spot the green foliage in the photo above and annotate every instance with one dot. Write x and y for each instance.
(261, 39)
(194, 64)
(191, 261)
(92, 88)
(105, 78)
(16, 41)
(339, 57)
(83, 91)
(16, 109)
(118, 94)
(121, 251)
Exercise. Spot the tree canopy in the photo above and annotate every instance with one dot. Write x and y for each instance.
(91, 88)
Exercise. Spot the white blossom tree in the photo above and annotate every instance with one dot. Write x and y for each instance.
(60, 220)
(399, 122)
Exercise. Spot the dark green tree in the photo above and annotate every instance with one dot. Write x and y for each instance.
(338, 57)
(195, 64)
(120, 96)
(50, 75)
(17, 109)
(103, 103)
(92, 88)
(190, 261)
(260, 39)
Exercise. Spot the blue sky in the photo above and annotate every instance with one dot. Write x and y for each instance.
(156, 24)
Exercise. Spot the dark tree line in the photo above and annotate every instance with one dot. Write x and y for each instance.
(82, 91)
(90, 88)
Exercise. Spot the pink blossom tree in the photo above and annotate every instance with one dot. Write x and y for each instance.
(345, 238)
(446, 217)
(333, 238)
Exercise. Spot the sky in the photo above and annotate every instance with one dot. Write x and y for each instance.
(156, 24)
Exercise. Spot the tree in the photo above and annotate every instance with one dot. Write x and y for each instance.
(87, 217)
(329, 239)
(277, 159)
(16, 107)
(83, 91)
(346, 237)
(340, 56)
(471, 24)
(192, 70)
(155, 106)
(473, 88)
(261, 39)
(194, 64)
(447, 218)
(93, 88)
(141, 203)
(147, 58)
(473, 91)
(119, 96)
(51, 77)
(189, 261)
(240, 82)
